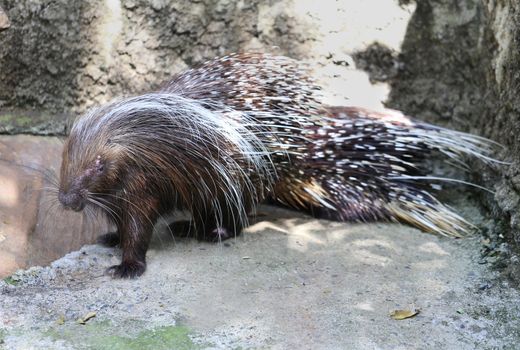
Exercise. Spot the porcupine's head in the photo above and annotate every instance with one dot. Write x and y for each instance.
(170, 147)
(91, 162)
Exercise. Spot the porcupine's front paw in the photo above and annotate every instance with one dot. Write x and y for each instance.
(127, 270)
(110, 239)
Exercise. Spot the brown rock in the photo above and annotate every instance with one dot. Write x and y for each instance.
(34, 230)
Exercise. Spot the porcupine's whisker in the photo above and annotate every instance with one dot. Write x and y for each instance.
(115, 217)
(106, 207)
(45, 213)
(100, 200)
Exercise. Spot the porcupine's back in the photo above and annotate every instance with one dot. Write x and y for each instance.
(342, 163)
(274, 91)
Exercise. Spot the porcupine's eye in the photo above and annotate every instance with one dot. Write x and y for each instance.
(100, 165)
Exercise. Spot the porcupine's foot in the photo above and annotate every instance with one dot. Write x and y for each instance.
(110, 239)
(218, 235)
(188, 229)
(127, 269)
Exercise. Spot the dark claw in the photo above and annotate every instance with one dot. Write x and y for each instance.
(110, 239)
(127, 270)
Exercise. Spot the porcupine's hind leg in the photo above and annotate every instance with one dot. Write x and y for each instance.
(210, 225)
(221, 215)
(225, 220)
(340, 199)
(329, 198)
(214, 227)
(203, 230)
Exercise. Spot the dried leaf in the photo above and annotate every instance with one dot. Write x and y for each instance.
(87, 317)
(403, 314)
(60, 320)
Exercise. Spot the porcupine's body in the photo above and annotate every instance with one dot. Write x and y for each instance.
(217, 140)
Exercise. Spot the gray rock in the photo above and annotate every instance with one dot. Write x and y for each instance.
(460, 69)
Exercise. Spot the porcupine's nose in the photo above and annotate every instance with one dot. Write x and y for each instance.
(71, 200)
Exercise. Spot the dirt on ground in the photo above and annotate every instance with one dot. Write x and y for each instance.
(289, 282)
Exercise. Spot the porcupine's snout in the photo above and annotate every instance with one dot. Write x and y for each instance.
(71, 200)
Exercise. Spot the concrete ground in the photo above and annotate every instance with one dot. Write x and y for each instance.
(290, 282)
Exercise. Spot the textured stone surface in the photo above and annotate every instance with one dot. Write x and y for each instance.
(33, 229)
(291, 282)
(459, 67)
(61, 57)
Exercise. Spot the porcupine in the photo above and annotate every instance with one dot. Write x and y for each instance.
(218, 139)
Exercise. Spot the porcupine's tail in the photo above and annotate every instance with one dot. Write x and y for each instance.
(366, 166)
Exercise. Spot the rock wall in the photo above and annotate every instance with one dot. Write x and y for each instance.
(60, 57)
(34, 230)
(460, 67)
